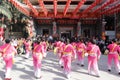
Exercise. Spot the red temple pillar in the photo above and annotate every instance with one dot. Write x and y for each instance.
(79, 29)
(54, 27)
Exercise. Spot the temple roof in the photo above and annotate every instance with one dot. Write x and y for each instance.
(74, 9)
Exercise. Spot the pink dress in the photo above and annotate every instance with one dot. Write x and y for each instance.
(93, 56)
(8, 55)
(60, 54)
(57, 47)
(113, 54)
(27, 48)
(45, 48)
(37, 57)
(68, 56)
(80, 49)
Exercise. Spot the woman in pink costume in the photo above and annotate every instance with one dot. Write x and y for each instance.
(56, 47)
(8, 52)
(74, 45)
(93, 57)
(60, 50)
(68, 56)
(37, 57)
(27, 44)
(81, 49)
(44, 43)
(113, 54)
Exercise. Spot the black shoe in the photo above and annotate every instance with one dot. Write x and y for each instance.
(119, 73)
(82, 65)
(61, 66)
(98, 76)
(26, 58)
(4, 75)
(109, 70)
(38, 77)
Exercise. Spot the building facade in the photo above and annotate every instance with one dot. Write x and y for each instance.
(69, 27)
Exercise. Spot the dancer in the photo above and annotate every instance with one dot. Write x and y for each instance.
(37, 58)
(114, 49)
(44, 43)
(8, 52)
(56, 46)
(94, 54)
(59, 47)
(80, 49)
(27, 44)
(60, 50)
(68, 56)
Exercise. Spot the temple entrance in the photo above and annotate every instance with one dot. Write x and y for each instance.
(66, 34)
(86, 33)
(45, 31)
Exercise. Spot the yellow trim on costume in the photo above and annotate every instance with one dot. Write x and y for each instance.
(67, 52)
(35, 48)
(91, 51)
(113, 47)
(4, 50)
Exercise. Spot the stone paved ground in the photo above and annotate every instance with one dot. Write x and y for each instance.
(23, 70)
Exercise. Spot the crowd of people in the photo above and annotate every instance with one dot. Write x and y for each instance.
(66, 51)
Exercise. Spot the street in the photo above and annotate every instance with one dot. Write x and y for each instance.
(23, 70)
